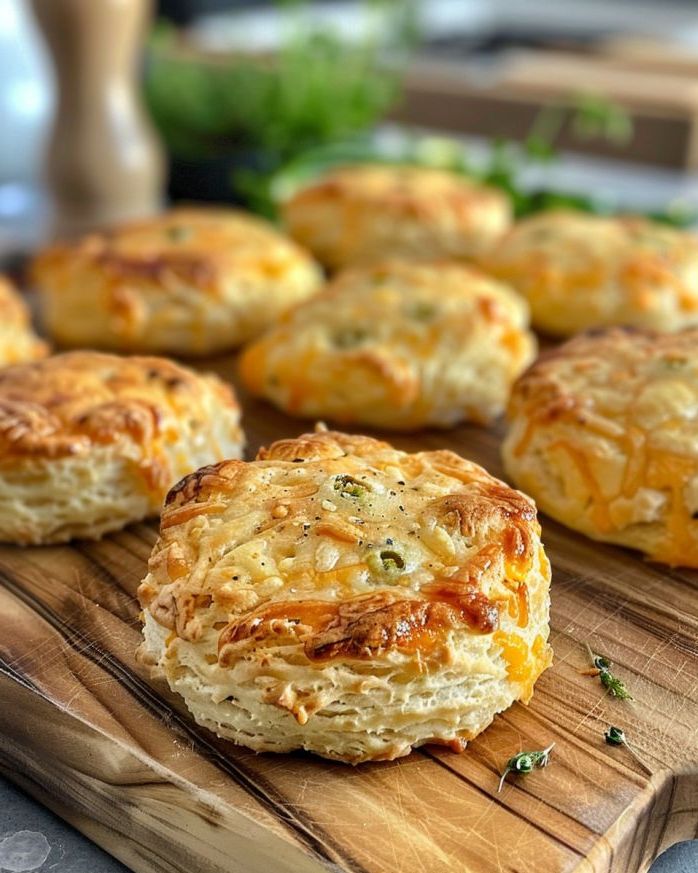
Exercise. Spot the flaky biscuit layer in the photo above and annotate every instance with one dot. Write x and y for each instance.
(90, 442)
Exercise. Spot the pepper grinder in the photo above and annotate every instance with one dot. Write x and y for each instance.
(104, 163)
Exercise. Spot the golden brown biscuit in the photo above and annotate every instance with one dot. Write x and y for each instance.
(363, 214)
(188, 282)
(18, 342)
(604, 436)
(401, 346)
(343, 597)
(580, 271)
(92, 442)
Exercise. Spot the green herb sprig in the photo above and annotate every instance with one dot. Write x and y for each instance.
(348, 486)
(615, 736)
(525, 763)
(602, 668)
(318, 88)
(586, 116)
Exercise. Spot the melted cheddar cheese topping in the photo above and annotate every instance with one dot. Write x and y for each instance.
(614, 417)
(579, 271)
(349, 549)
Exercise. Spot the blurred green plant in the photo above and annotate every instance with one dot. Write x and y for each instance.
(318, 88)
(315, 103)
(588, 116)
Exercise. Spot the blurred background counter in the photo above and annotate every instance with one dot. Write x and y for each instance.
(585, 97)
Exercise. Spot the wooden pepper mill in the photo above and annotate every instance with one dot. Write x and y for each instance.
(104, 163)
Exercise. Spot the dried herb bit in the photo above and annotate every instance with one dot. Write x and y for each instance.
(423, 311)
(526, 762)
(386, 563)
(615, 736)
(349, 337)
(612, 684)
(178, 233)
(392, 560)
(348, 486)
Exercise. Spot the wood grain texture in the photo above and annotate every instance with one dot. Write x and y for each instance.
(83, 728)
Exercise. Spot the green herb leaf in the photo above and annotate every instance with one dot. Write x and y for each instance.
(615, 736)
(348, 337)
(349, 487)
(392, 561)
(423, 310)
(525, 762)
(386, 563)
(601, 663)
(615, 686)
(597, 117)
(178, 233)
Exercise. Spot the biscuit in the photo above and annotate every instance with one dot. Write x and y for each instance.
(363, 214)
(581, 271)
(18, 342)
(189, 282)
(399, 345)
(343, 597)
(604, 436)
(91, 442)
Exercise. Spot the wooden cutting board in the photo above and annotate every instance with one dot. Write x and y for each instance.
(84, 729)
